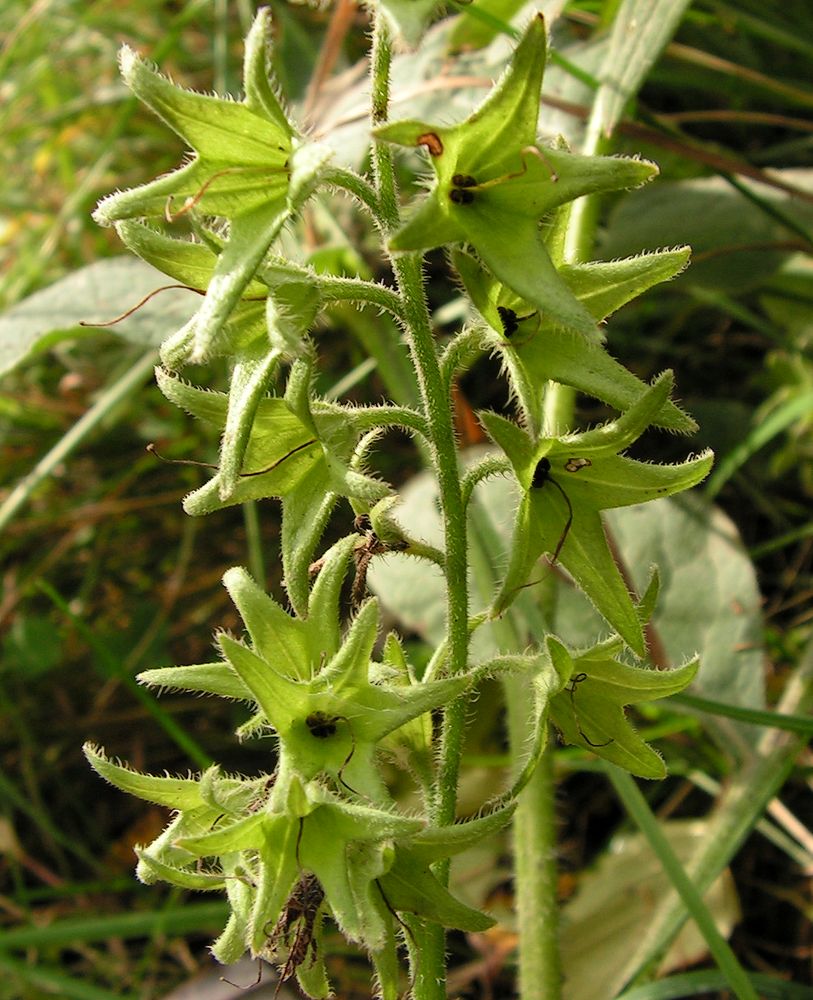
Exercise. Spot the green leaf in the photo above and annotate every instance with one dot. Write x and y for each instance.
(736, 243)
(251, 375)
(613, 905)
(96, 293)
(710, 601)
(205, 678)
(175, 793)
(636, 41)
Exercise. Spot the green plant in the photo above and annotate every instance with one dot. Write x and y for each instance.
(324, 818)
(324, 835)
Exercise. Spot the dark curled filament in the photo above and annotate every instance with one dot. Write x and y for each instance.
(542, 476)
(575, 680)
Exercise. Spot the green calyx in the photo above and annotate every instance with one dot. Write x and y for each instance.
(323, 824)
(535, 349)
(494, 183)
(566, 482)
(249, 168)
(589, 710)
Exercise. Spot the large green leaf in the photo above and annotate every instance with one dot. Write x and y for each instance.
(96, 293)
(636, 40)
(613, 904)
(730, 235)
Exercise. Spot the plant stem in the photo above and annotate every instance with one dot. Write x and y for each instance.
(430, 972)
(357, 186)
(535, 874)
(254, 541)
(534, 826)
(356, 290)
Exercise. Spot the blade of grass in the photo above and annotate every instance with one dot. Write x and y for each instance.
(790, 723)
(638, 808)
(124, 386)
(771, 209)
(58, 983)
(745, 23)
(183, 919)
(690, 984)
(781, 541)
(636, 40)
(111, 668)
(781, 418)
(745, 76)
(731, 306)
(486, 17)
(792, 847)
(737, 811)
(11, 795)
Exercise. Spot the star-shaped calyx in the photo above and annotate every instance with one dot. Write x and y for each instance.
(534, 349)
(566, 482)
(320, 693)
(292, 447)
(589, 710)
(274, 313)
(494, 183)
(249, 167)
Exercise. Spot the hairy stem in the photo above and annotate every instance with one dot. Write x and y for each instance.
(430, 973)
(358, 187)
(535, 874)
(364, 292)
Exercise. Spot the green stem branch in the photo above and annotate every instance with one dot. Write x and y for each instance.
(357, 186)
(430, 973)
(366, 292)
